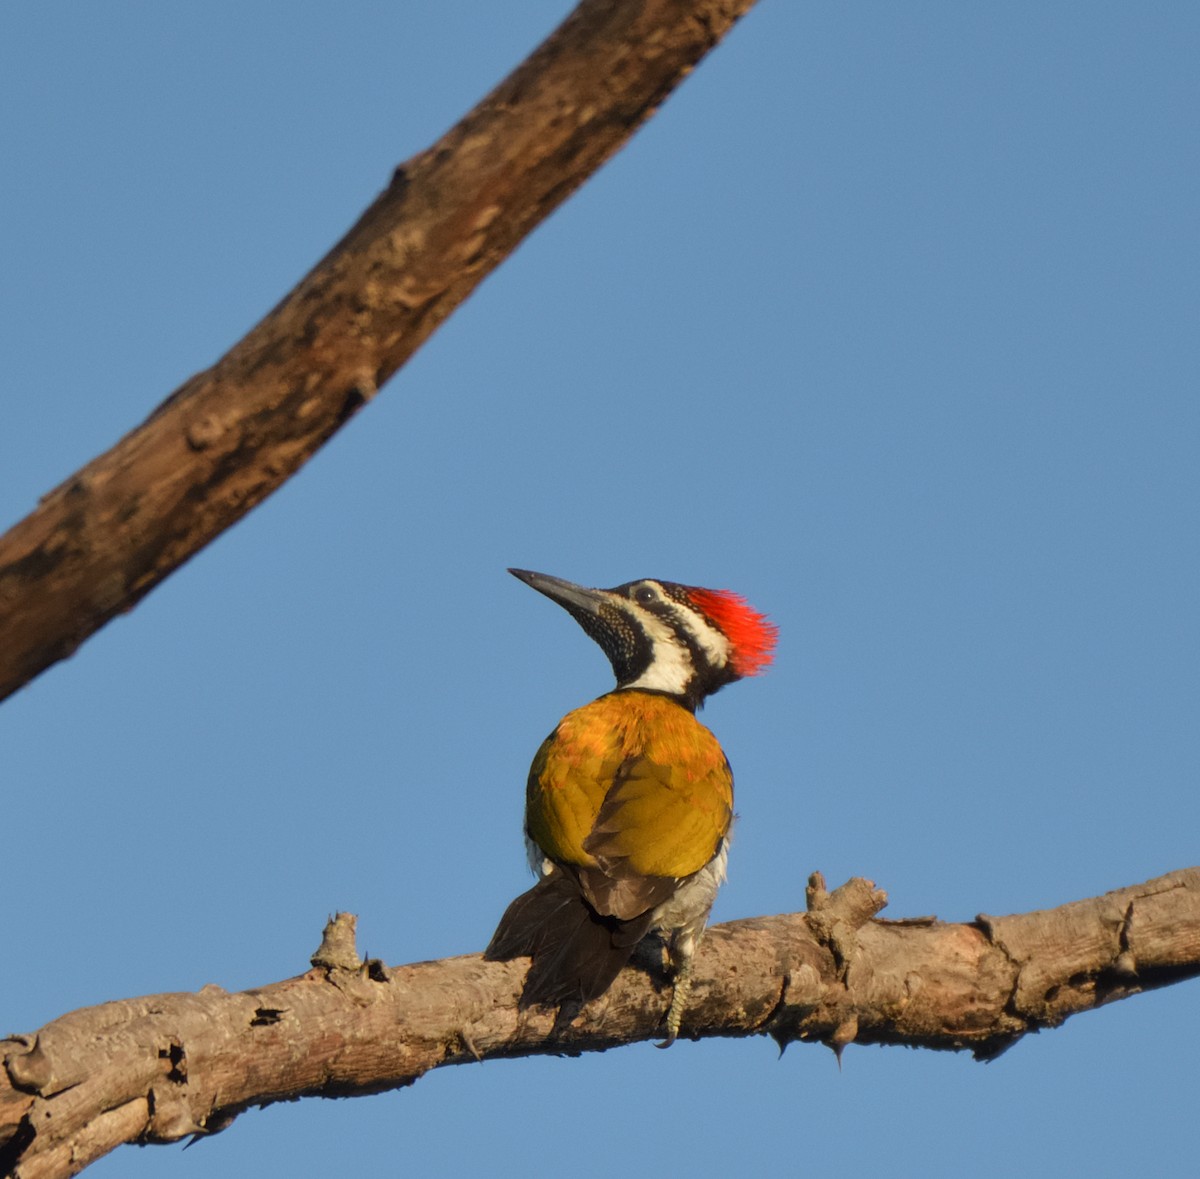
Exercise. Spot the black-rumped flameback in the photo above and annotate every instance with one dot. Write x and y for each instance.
(630, 800)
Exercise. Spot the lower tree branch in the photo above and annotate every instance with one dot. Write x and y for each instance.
(165, 1067)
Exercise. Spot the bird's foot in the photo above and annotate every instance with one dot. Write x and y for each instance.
(680, 994)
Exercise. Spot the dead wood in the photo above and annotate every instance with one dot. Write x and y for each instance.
(168, 1066)
(232, 434)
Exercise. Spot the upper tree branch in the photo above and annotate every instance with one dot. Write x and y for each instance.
(161, 1068)
(232, 434)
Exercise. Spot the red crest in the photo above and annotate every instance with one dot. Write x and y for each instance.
(751, 635)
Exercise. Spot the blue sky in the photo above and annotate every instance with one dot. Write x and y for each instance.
(888, 321)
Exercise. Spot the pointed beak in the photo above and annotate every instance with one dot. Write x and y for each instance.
(566, 593)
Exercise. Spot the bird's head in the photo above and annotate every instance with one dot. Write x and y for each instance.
(660, 636)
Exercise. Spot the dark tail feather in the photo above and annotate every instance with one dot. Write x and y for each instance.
(576, 952)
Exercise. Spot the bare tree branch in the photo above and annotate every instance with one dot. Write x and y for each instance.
(232, 434)
(161, 1068)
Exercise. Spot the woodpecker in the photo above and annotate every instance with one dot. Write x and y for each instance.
(629, 801)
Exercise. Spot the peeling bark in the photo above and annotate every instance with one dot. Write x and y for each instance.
(233, 434)
(168, 1066)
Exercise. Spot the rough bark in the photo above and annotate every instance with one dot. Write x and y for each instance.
(161, 1068)
(233, 433)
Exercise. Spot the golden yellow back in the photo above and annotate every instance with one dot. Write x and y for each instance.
(631, 782)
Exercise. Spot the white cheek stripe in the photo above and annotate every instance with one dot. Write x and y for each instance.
(670, 667)
(710, 640)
